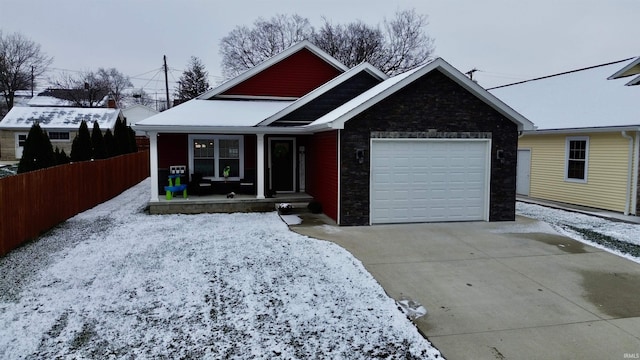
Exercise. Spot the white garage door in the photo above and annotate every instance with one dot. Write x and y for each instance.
(429, 180)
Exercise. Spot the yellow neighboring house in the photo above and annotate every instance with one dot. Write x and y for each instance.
(586, 145)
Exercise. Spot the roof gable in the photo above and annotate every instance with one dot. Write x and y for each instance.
(632, 68)
(337, 118)
(290, 74)
(328, 96)
(137, 112)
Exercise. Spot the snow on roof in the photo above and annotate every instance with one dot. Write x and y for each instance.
(337, 117)
(365, 66)
(65, 97)
(48, 101)
(578, 99)
(213, 113)
(59, 117)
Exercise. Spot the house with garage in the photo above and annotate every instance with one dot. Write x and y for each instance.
(423, 146)
(586, 147)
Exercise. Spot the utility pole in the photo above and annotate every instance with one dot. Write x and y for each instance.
(32, 80)
(166, 81)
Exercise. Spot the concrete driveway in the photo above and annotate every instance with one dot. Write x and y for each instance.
(507, 290)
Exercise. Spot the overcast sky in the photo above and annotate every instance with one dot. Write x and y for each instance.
(507, 40)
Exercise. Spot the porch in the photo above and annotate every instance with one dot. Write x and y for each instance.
(195, 204)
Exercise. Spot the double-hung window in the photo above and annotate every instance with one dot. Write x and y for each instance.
(577, 158)
(209, 155)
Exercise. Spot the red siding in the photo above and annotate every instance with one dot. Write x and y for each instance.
(250, 147)
(294, 76)
(172, 150)
(322, 173)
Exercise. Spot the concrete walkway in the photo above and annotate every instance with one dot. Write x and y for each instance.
(507, 290)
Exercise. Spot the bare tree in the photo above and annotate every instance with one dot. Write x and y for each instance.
(244, 47)
(407, 45)
(88, 89)
(399, 45)
(352, 43)
(395, 46)
(20, 59)
(116, 82)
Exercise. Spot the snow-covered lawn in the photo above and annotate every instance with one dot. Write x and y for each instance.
(617, 237)
(114, 282)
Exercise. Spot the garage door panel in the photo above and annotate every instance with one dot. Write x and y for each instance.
(427, 180)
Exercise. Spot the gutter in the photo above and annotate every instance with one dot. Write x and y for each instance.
(583, 130)
(223, 129)
(630, 166)
(636, 174)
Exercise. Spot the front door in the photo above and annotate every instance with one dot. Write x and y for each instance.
(523, 172)
(282, 169)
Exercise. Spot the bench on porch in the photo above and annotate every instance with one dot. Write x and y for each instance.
(202, 186)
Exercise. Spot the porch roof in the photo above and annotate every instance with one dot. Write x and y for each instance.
(212, 115)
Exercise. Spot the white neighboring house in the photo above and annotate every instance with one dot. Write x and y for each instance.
(138, 112)
(60, 123)
(586, 148)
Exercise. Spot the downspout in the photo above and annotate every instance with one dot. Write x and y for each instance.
(339, 181)
(636, 174)
(629, 173)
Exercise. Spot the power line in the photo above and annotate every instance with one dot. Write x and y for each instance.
(562, 73)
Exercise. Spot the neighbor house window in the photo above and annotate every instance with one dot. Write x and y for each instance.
(22, 138)
(58, 135)
(211, 154)
(577, 155)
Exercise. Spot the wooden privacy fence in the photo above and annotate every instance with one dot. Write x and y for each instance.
(33, 202)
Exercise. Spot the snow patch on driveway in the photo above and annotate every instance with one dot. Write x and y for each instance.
(620, 238)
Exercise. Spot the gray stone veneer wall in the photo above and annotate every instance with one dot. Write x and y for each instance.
(431, 107)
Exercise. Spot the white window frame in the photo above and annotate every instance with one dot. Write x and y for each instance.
(19, 149)
(568, 141)
(59, 132)
(216, 152)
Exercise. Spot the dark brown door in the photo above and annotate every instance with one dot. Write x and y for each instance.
(282, 151)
